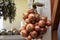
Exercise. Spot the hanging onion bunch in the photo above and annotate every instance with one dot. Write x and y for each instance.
(35, 26)
(9, 10)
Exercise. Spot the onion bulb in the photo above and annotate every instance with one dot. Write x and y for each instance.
(46, 27)
(31, 17)
(37, 28)
(41, 23)
(22, 28)
(30, 27)
(24, 33)
(30, 11)
(27, 21)
(44, 18)
(43, 30)
(49, 22)
(25, 16)
(29, 37)
(33, 34)
(36, 24)
(37, 16)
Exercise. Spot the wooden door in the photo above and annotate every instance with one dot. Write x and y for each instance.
(55, 12)
(52, 4)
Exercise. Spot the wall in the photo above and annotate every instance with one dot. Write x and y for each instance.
(21, 7)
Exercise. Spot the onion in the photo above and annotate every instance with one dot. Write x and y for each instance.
(37, 16)
(37, 28)
(25, 16)
(33, 34)
(22, 28)
(27, 21)
(41, 23)
(36, 24)
(24, 33)
(49, 22)
(46, 27)
(31, 17)
(29, 37)
(25, 24)
(30, 11)
(30, 27)
(44, 18)
(32, 21)
(43, 30)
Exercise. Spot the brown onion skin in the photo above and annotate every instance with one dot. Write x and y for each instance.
(43, 30)
(32, 21)
(33, 34)
(25, 15)
(24, 33)
(30, 11)
(37, 28)
(27, 21)
(31, 17)
(36, 24)
(25, 24)
(30, 27)
(29, 37)
(41, 23)
(37, 16)
(44, 18)
(48, 23)
(46, 27)
(22, 28)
